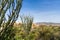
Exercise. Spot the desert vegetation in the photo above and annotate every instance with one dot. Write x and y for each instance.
(41, 32)
(9, 12)
(24, 31)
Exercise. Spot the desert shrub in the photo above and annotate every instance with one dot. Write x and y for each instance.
(24, 30)
(49, 33)
(42, 32)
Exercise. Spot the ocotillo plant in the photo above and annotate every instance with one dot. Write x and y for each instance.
(27, 23)
(12, 8)
(25, 28)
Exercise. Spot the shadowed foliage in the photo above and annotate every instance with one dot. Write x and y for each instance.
(12, 7)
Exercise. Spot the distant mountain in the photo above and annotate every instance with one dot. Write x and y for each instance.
(48, 23)
(39, 23)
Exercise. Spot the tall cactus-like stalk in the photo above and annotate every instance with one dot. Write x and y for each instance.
(27, 23)
(13, 7)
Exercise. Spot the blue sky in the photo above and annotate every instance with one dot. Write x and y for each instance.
(42, 10)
